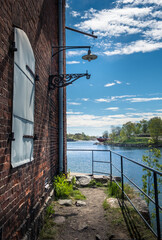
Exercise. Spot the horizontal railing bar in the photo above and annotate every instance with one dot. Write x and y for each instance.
(140, 164)
(148, 225)
(101, 161)
(139, 189)
(88, 150)
(101, 172)
(137, 210)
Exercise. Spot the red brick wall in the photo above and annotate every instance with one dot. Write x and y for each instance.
(22, 189)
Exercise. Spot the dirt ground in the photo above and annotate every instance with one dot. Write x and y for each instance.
(87, 222)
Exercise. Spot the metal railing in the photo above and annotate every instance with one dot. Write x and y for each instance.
(154, 200)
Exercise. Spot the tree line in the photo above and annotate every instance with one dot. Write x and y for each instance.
(145, 128)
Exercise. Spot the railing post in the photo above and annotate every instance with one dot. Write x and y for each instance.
(122, 179)
(92, 163)
(110, 168)
(157, 206)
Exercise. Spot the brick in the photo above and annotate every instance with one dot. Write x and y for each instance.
(23, 187)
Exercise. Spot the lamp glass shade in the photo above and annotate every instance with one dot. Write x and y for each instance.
(89, 57)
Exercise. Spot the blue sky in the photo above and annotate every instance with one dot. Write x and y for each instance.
(126, 78)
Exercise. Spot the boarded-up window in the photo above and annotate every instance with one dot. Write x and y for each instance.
(23, 100)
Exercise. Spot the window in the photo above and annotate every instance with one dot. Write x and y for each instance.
(23, 100)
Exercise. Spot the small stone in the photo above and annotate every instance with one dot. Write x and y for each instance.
(80, 203)
(82, 226)
(59, 220)
(65, 202)
(98, 237)
(113, 202)
(84, 180)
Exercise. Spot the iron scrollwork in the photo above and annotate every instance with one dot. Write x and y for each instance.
(63, 80)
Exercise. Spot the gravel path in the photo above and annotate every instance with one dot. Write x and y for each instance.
(86, 222)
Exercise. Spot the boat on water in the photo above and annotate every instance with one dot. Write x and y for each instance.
(102, 139)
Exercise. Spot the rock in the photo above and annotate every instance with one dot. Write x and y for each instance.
(142, 207)
(84, 180)
(100, 178)
(65, 202)
(118, 179)
(59, 220)
(98, 237)
(82, 226)
(80, 203)
(113, 202)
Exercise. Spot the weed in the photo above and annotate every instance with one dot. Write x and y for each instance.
(64, 189)
(50, 211)
(94, 183)
(113, 190)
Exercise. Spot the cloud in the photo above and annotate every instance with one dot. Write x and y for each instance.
(114, 98)
(115, 22)
(74, 103)
(143, 99)
(112, 84)
(75, 13)
(72, 62)
(103, 100)
(75, 53)
(135, 47)
(109, 84)
(93, 121)
(118, 82)
(138, 18)
(67, 4)
(73, 113)
(112, 108)
(85, 99)
(141, 2)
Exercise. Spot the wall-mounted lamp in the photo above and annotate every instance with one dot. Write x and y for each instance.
(63, 80)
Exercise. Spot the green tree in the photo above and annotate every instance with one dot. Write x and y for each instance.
(105, 134)
(144, 126)
(155, 128)
(151, 159)
(128, 130)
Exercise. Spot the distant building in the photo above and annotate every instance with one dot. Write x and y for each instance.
(29, 113)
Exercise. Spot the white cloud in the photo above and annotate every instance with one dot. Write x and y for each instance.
(135, 47)
(103, 100)
(140, 18)
(109, 84)
(115, 22)
(67, 4)
(143, 2)
(112, 108)
(118, 82)
(85, 99)
(73, 113)
(143, 99)
(72, 62)
(74, 103)
(75, 53)
(112, 84)
(75, 13)
(93, 121)
(114, 98)
(159, 110)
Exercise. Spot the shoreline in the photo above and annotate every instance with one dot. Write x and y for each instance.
(138, 145)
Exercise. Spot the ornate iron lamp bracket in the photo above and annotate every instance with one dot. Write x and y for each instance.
(63, 80)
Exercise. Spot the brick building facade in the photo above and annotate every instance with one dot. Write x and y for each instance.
(25, 188)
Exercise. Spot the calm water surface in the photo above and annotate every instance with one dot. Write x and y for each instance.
(82, 161)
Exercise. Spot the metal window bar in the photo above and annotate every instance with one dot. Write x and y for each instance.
(155, 172)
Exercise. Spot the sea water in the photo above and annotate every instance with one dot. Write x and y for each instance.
(81, 162)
